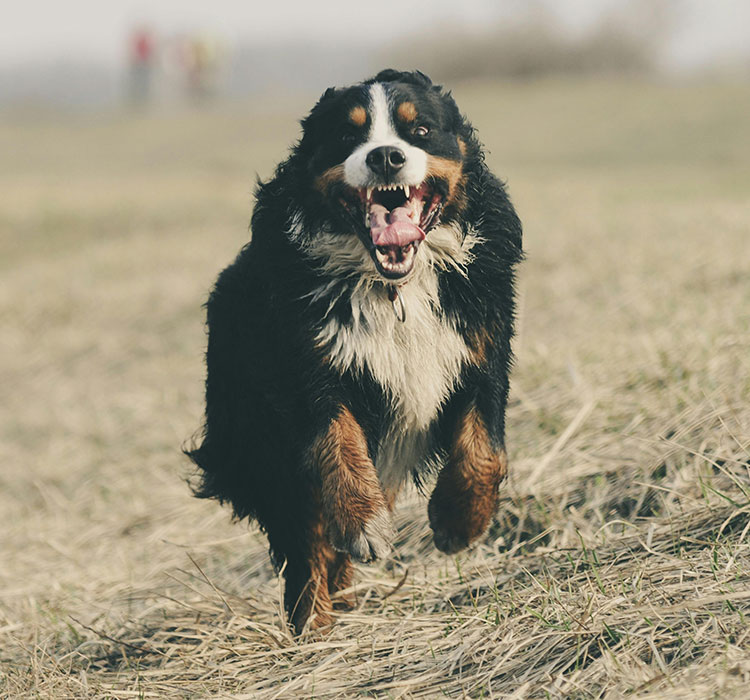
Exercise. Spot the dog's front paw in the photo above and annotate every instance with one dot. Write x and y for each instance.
(364, 542)
(449, 531)
(446, 541)
(457, 519)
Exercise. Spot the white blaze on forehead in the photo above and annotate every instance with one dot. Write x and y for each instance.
(381, 128)
(383, 133)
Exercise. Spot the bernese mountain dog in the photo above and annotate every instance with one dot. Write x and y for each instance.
(363, 336)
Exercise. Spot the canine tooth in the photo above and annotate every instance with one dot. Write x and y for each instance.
(406, 191)
(369, 193)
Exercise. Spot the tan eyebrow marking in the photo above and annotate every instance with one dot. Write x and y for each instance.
(358, 116)
(407, 112)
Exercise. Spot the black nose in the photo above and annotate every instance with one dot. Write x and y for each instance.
(385, 161)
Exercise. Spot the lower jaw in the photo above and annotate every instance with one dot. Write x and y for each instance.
(394, 276)
(398, 271)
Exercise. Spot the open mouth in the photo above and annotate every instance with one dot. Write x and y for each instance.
(394, 220)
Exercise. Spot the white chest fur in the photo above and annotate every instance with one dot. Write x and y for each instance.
(417, 363)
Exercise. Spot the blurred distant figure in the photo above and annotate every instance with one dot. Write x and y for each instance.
(201, 61)
(142, 58)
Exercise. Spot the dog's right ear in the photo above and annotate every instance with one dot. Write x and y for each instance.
(325, 102)
(318, 114)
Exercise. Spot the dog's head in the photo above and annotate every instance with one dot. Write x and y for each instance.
(385, 161)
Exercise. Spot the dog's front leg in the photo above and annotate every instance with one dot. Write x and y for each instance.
(353, 503)
(466, 494)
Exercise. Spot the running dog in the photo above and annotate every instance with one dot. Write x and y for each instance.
(363, 337)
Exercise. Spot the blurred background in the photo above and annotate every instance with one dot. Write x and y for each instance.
(131, 136)
(84, 54)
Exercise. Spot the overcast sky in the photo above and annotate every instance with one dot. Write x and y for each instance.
(41, 30)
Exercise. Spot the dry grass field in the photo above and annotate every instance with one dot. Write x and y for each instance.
(619, 561)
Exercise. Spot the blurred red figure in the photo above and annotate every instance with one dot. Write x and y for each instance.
(141, 55)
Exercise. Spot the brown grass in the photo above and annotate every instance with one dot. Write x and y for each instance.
(618, 563)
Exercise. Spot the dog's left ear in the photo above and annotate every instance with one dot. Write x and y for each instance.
(422, 77)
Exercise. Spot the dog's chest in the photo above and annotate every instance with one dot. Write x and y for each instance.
(417, 362)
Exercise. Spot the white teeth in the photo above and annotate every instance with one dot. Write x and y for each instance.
(388, 188)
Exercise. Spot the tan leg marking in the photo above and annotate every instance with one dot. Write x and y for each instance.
(340, 576)
(466, 493)
(352, 499)
(313, 602)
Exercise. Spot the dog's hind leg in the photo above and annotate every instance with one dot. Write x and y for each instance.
(307, 573)
(340, 576)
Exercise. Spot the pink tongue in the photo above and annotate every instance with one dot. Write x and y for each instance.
(393, 227)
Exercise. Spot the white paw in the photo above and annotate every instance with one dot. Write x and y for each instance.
(369, 543)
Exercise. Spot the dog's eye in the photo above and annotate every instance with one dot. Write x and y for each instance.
(348, 136)
(421, 131)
